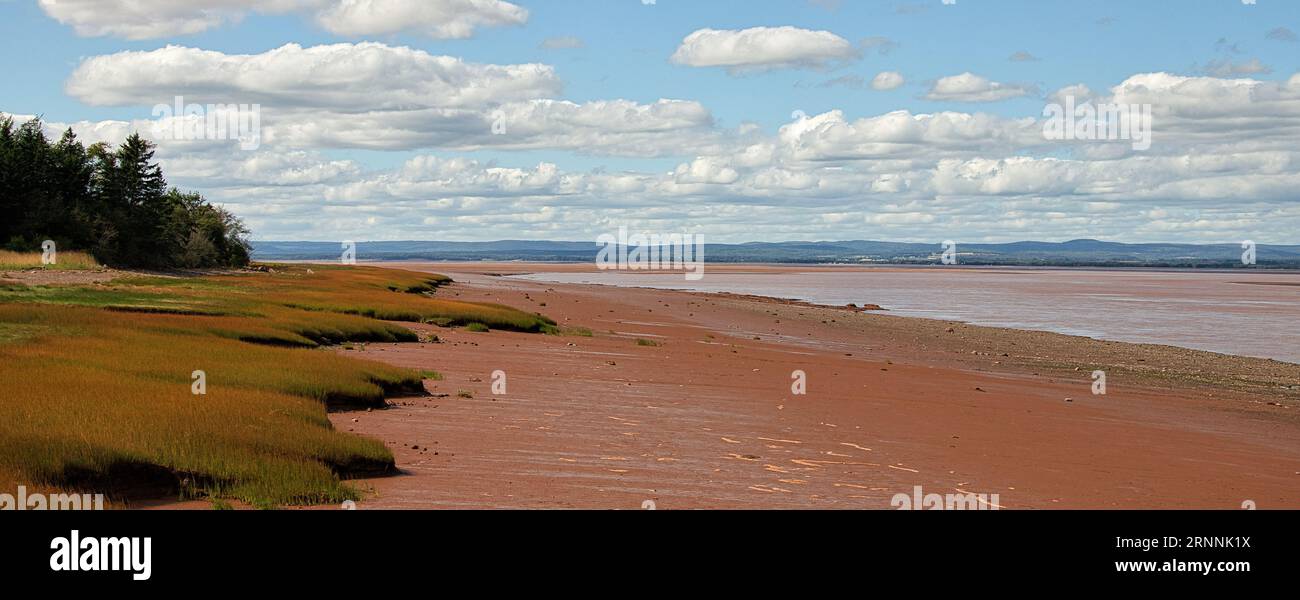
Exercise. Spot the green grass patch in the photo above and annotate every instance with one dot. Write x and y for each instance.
(63, 261)
(95, 381)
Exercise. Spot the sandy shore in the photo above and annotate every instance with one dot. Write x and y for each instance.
(706, 418)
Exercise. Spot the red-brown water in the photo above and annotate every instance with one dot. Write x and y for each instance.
(1248, 313)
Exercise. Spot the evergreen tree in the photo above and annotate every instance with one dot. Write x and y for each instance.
(114, 203)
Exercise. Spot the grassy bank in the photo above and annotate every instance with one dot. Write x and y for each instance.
(96, 389)
(13, 261)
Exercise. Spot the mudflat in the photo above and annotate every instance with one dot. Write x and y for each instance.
(685, 400)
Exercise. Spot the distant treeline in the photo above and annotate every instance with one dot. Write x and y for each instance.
(1074, 253)
(113, 203)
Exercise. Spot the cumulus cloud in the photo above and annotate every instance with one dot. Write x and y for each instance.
(969, 87)
(887, 80)
(903, 136)
(706, 170)
(338, 76)
(603, 127)
(438, 19)
(148, 19)
(380, 97)
(763, 48)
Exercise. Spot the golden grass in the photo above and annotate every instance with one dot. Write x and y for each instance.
(68, 261)
(95, 381)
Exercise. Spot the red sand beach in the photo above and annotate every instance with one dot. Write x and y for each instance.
(705, 417)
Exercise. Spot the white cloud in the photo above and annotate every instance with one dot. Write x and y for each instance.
(439, 19)
(380, 97)
(605, 127)
(706, 170)
(344, 77)
(969, 87)
(887, 80)
(149, 19)
(763, 48)
(903, 136)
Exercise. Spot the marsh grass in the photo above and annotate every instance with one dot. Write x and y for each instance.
(95, 382)
(64, 261)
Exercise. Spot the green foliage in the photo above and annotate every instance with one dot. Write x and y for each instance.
(113, 203)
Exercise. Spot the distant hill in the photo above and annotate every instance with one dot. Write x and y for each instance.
(1072, 253)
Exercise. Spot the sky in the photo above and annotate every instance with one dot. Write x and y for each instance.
(758, 120)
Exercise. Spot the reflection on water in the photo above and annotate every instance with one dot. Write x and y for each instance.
(1221, 312)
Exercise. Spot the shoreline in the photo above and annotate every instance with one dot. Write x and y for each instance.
(702, 416)
(735, 267)
(973, 318)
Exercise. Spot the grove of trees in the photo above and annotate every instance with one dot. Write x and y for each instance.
(113, 203)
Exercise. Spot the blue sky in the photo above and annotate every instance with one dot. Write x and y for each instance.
(625, 55)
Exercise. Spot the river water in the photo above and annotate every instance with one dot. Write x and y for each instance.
(1248, 313)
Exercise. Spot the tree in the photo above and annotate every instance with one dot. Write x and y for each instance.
(113, 202)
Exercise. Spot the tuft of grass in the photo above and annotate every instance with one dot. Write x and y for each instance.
(578, 331)
(95, 383)
(326, 290)
(645, 342)
(64, 261)
(465, 394)
(477, 328)
(431, 375)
